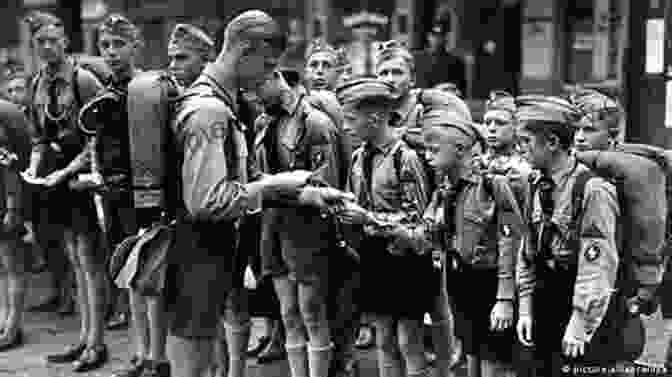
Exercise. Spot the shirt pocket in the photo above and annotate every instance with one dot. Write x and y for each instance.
(473, 228)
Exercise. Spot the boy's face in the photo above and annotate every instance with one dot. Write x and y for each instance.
(50, 44)
(321, 71)
(591, 135)
(118, 52)
(396, 72)
(534, 148)
(16, 91)
(257, 65)
(359, 123)
(441, 151)
(500, 128)
(186, 65)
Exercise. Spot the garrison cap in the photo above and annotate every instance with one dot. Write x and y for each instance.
(595, 105)
(541, 108)
(38, 20)
(189, 37)
(501, 100)
(256, 25)
(118, 25)
(449, 118)
(365, 89)
(320, 45)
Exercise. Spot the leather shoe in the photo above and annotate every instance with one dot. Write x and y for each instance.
(273, 352)
(7, 343)
(118, 321)
(92, 358)
(70, 354)
(365, 339)
(262, 342)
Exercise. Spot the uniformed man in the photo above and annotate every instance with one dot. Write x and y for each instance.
(14, 152)
(296, 135)
(216, 189)
(58, 92)
(569, 307)
(390, 183)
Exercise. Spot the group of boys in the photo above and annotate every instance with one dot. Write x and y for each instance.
(372, 196)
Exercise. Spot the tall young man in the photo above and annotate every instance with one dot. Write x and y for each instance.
(569, 308)
(216, 190)
(390, 184)
(58, 93)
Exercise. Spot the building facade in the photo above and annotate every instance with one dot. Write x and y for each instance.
(546, 46)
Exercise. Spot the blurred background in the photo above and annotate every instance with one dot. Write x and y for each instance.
(620, 46)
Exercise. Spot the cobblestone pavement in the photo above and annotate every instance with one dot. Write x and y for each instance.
(47, 333)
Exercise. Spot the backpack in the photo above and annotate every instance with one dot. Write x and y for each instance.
(150, 104)
(640, 175)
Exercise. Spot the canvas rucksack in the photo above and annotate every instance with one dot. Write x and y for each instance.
(150, 104)
(640, 174)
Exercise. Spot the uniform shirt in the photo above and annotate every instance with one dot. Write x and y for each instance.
(392, 196)
(300, 137)
(67, 106)
(597, 257)
(482, 227)
(211, 142)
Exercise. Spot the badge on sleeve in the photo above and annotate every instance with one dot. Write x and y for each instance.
(318, 158)
(506, 230)
(593, 252)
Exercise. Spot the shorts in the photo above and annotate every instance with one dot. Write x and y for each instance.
(199, 278)
(472, 308)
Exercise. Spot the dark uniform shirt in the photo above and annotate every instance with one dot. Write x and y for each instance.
(14, 139)
(482, 230)
(300, 137)
(55, 109)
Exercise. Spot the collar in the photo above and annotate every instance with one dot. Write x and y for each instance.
(563, 174)
(222, 81)
(405, 107)
(64, 72)
(291, 103)
(384, 149)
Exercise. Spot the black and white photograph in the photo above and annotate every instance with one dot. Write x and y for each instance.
(336, 188)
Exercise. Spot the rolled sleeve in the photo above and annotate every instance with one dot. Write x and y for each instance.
(597, 261)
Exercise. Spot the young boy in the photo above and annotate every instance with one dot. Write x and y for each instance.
(390, 183)
(472, 218)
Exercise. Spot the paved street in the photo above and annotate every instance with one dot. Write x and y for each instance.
(46, 333)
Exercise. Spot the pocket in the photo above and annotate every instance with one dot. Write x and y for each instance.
(473, 228)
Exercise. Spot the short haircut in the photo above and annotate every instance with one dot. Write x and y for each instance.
(254, 26)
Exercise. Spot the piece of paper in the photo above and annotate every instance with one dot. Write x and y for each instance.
(668, 104)
(537, 50)
(655, 45)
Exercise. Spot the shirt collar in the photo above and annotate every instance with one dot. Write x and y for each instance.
(222, 81)
(63, 73)
(405, 108)
(385, 148)
(561, 175)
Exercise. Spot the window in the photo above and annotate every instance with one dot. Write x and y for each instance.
(595, 40)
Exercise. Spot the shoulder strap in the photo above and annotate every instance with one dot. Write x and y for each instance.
(75, 86)
(397, 160)
(578, 192)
